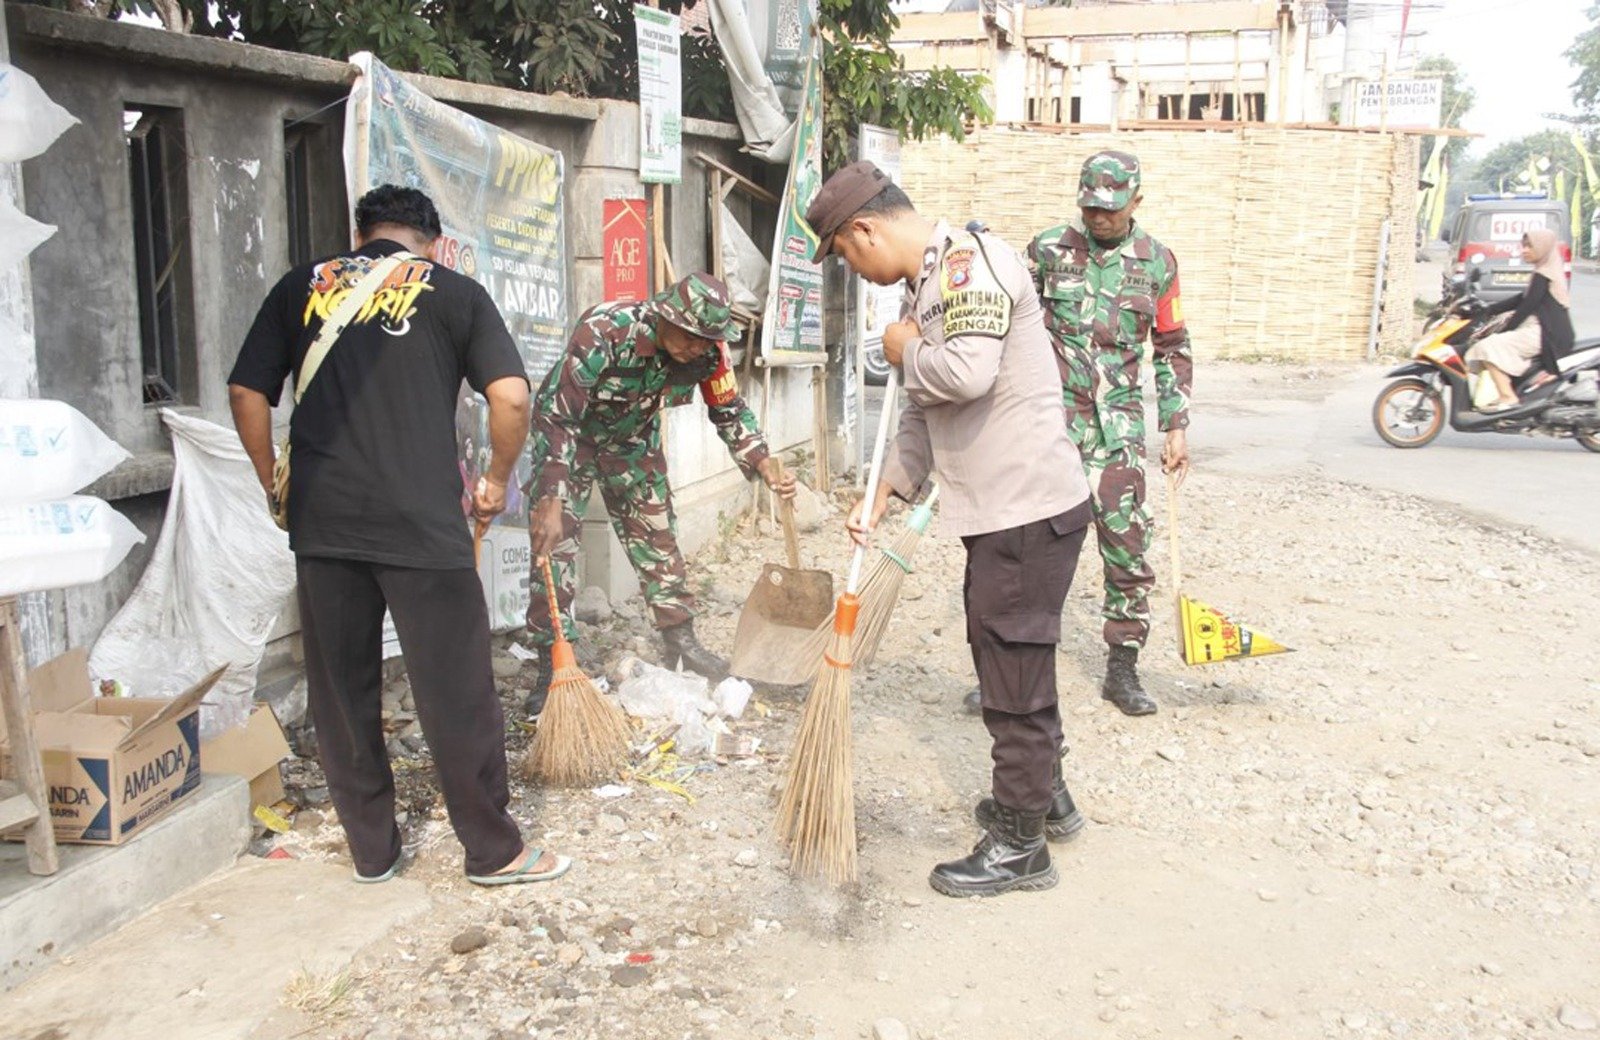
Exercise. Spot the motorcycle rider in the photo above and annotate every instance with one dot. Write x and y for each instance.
(1540, 326)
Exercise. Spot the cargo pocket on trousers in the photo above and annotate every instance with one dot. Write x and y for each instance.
(1037, 627)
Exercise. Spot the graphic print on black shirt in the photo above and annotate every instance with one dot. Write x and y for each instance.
(376, 475)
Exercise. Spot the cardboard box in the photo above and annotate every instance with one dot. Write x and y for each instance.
(113, 764)
(252, 751)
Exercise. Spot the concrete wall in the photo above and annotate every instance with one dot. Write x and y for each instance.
(235, 101)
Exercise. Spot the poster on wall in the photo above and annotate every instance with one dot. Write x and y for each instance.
(791, 328)
(660, 96)
(880, 304)
(499, 198)
(626, 264)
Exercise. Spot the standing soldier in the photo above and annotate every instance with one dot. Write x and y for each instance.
(597, 416)
(1106, 285)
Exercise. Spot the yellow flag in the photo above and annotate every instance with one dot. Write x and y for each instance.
(1436, 218)
(1210, 636)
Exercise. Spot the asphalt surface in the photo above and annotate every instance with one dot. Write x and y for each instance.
(1265, 419)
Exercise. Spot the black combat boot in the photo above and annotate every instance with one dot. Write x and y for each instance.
(1122, 686)
(682, 646)
(541, 684)
(1062, 821)
(1011, 855)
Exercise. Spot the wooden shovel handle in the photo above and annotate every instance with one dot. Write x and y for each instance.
(791, 541)
(1172, 535)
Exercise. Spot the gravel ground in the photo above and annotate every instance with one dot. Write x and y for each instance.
(1391, 832)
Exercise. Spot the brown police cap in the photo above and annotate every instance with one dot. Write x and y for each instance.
(841, 198)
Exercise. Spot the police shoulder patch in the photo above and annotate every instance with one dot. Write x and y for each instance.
(975, 303)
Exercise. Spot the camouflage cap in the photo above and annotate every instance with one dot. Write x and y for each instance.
(699, 304)
(1110, 180)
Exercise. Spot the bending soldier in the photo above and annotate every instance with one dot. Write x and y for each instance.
(597, 417)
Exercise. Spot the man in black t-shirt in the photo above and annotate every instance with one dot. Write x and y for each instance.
(375, 522)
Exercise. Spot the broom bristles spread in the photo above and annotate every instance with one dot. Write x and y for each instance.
(880, 590)
(582, 737)
(816, 813)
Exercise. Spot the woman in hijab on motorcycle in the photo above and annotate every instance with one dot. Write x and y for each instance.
(1540, 327)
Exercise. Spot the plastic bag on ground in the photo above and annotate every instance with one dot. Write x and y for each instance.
(49, 449)
(29, 121)
(731, 695)
(220, 575)
(58, 544)
(648, 691)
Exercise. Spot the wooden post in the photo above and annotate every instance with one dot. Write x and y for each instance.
(30, 806)
(714, 197)
(1284, 18)
(819, 427)
(1188, 45)
(1238, 82)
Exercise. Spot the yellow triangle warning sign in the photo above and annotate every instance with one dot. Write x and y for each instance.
(1209, 636)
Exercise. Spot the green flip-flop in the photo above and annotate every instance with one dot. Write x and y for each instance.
(525, 874)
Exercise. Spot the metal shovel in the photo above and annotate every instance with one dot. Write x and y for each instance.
(781, 613)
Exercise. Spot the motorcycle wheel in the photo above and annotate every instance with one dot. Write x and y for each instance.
(1588, 440)
(1409, 413)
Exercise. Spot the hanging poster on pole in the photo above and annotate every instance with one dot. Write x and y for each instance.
(660, 96)
(791, 328)
(499, 198)
(626, 273)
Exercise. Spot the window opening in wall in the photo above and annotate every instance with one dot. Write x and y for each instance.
(160, 235)
(1077, 111)
(297, 193)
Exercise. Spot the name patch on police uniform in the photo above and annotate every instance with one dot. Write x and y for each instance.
(975, 304)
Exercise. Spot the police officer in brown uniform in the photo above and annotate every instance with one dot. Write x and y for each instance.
(984, 409)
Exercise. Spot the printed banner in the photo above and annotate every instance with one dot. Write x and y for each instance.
(499, 198)
(660, 96)
(1399, 104)
(627, 257)
(880, 304)
(791, 329)
(1208, 636)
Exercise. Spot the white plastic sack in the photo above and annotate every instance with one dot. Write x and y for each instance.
(748, 271)
(220, 574)
(20, 235)
(49, 449)
(29, 121)
(769, 130)
(19, 375)
(55, 545)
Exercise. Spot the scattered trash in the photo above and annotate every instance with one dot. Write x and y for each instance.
(612, 791)
(731, 696)
(271, 820)
(641, 958)
(521, 652)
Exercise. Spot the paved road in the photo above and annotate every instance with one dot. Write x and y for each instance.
(1264, 419)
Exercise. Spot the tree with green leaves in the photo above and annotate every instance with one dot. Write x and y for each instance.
(584, 48)
(1585, 57)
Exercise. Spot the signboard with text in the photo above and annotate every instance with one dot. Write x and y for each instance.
(627, 258)
(1399, 104)
(791, 329)
(660, 96)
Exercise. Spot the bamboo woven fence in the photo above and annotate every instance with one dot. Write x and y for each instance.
(1276, 231)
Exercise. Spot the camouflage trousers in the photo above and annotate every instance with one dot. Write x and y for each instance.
(1121, 524)
(633, 484)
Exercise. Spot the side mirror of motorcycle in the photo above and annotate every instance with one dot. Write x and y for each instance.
(1475, 275)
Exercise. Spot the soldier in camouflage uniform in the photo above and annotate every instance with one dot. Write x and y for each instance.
(1107, 286)
(597, 417)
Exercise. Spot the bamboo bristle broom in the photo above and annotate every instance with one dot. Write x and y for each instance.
(582, 737)
(817, 813)
(880, 591)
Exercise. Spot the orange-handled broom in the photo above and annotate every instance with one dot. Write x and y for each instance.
(582, 737)
(816, 813)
